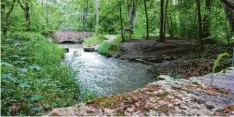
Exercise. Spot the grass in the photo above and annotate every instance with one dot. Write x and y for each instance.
(108, 49)
(33, 80)
(118, 40)
(94, 40)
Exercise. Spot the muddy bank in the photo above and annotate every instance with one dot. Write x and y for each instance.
(151, 51)
(168, 97)
(182, 58)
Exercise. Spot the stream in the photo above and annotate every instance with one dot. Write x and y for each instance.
(106, 76)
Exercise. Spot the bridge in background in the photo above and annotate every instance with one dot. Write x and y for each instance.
(72, 37)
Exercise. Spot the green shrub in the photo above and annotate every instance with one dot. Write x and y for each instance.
(118, 40)
(33, 81)
(108, 49)
(94, 40)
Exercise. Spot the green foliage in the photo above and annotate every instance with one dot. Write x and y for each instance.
(217, 61)
(216, 64)
(68, 15)
(118, 40)
(85, 94)
(98, 30)
(94, 40)
(32, 79)
(108, 49)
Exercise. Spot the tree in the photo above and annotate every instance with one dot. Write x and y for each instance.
(5, 29)
(26, 9)
(97, 11)
(199, 20)
(206, 20)
(121, 21)
(229, 10)
(165, 19)
(162, 33)
(47, 13)
(132, 9)
(147, 20)
(85, 14)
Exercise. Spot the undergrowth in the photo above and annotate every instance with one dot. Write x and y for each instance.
(108, 49)
(94, 40)
(33, 80)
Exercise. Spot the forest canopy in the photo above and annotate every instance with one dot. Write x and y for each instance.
(193, 19)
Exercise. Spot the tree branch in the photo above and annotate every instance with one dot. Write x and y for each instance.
(11, 9)
(231, 5)
(8, 17)
(21, 5)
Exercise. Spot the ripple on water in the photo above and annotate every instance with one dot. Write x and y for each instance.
(107, 76)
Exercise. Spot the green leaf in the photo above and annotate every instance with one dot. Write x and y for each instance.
(35, 67)
(36, 110)
(24, 85)
(23, 70)
(35, 98)
(6, 64)
(216, 63)
(9, 77)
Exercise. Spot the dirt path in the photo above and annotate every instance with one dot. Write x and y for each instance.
(167, 97)
(111, 38)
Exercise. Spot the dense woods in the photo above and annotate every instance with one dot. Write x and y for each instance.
(176, 19)
(33, 78)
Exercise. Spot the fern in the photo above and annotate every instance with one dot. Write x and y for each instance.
(216, 64)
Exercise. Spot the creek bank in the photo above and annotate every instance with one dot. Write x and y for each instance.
(182, 58)
(151, 50)
(167, 97)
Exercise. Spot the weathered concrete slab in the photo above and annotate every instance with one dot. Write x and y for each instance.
(221, 80)
(163, 98)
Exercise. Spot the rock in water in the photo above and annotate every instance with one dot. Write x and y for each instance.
(66, 50)
(89, 49)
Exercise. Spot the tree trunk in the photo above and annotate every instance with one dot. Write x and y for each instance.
(147, 20)
(206, 20)
(171, 30)
(27, 14)
(227, 32)
(228, 3)
(5, 29)
(162, 33)
(47, 13)
(85, 14)
(42, 5)
(165, 19)
(121, 22)
(228, 6)
(3, 8)
(199, 20)
(97, 11)
(132, 14)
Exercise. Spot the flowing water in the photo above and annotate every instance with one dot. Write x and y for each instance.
(106, 76)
